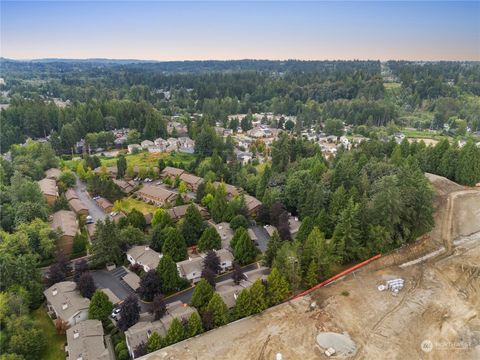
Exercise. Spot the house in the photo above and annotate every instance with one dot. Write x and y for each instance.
(231, 190)
(229, 291)
(180, 129)
(146, 143)
(171, 172)
(191, 269)
(244, 157)
(49, 189)
(157, 195)
(186, 145)
(225, 232)
(144, 256)
(53, 173)
(105, 205)
(65, 302)
(162, 143)
(142, 330)
(133, 147)
(78, 206)
(226, 259)
(178, 212)
(126, 186)
(155, 149)
(252, 204)
(66, 222)
(111, 171)
(191, 181)
(70, 194)
(85, 341)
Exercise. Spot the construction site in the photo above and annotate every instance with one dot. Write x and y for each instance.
(419, 302)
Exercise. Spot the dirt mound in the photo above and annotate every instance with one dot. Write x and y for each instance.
(442, 185)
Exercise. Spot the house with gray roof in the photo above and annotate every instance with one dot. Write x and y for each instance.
(144, 256)
(65, 302)
(142, 330)
(85, 341)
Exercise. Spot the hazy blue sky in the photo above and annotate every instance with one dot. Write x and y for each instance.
(237, 30)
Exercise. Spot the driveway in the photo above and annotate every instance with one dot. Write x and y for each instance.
(94, 210)
(262, 237)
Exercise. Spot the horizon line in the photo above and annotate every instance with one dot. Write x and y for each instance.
(227, 60)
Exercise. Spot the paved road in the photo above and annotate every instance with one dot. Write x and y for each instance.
(94, 210)
(186, 295)
(112, 280)
(262, 237)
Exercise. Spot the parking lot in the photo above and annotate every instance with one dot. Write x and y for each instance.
(113, 280)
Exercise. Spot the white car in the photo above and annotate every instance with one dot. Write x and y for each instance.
(89, 219)
(115, 313)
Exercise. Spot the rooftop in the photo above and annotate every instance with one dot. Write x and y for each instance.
(66, 221)
(144, 255)
(171, 171)
(53, 173)
(85, 341)
(156, 192)
(48, 187)
(65, 299)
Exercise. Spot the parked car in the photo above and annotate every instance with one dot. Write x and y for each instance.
(89, 219)
(116, 313)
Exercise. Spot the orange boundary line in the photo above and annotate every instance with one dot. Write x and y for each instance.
(339, 275)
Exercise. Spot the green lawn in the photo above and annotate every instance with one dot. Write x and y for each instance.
(143, 158)
(127, 204)
(55, 349)
(392, 85)
(150, 159)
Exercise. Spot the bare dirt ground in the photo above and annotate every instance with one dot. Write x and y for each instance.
(435, 316)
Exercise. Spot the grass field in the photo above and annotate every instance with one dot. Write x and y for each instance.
(140, 159)
(55, 349)
(128, 204)
(392, 85)
(150, 159)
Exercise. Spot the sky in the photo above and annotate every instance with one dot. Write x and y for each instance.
(180, 30)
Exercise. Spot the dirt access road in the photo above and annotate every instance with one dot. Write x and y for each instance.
(435, 316)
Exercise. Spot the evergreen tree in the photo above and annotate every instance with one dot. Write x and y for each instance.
(194, 324)
(257, 297)
(311, 276)
(272, 247)
(174, 245)
(210, 240)
(288, 263)
(100, 306)
(219, 310)
(170, 280)
(193, 225)
(218, 208)
(105, 244)
(305, 229)
(243, 305)
(154, 342)
(175, 332)
(136, 219)
(347, 234)
(157, 238)
(239, 221)
(244, 251)
(263, 183)
(468, 167)
(277, 288)
(201, 296)
(121, 166)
